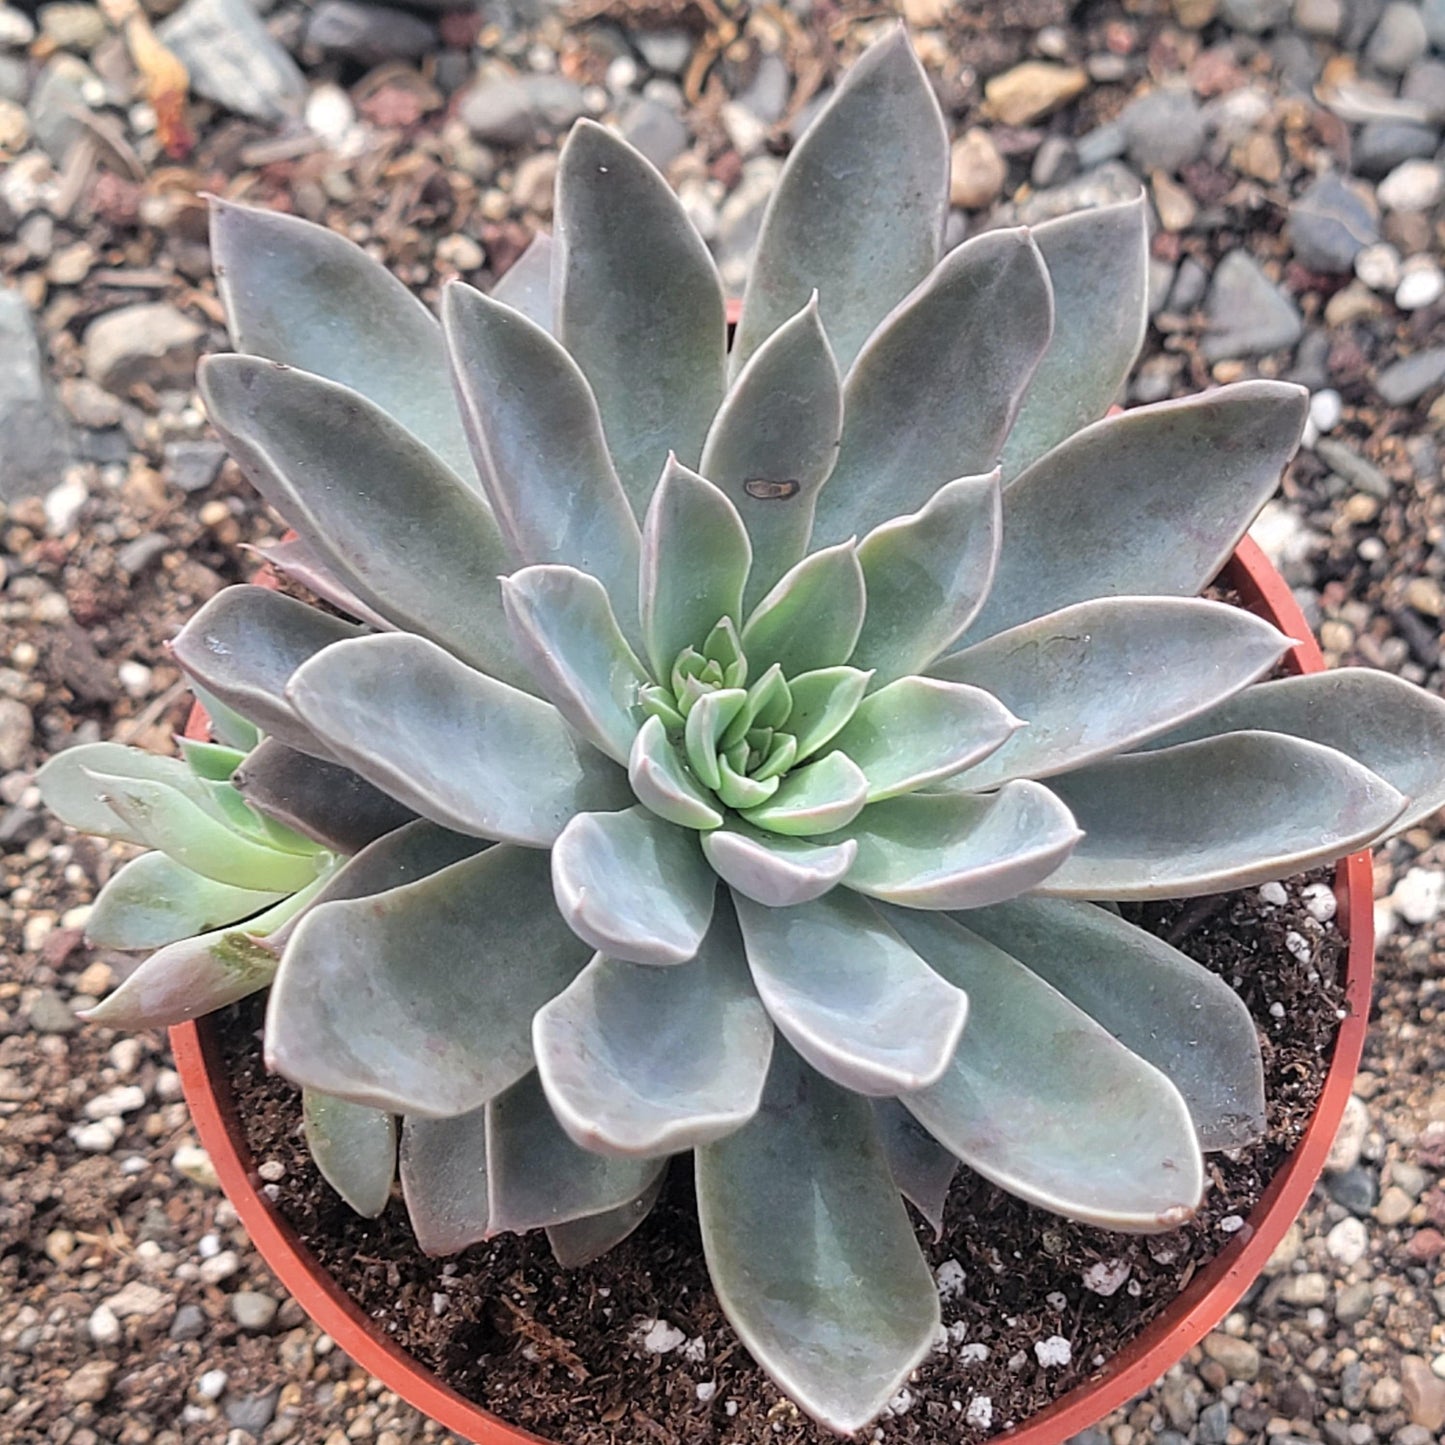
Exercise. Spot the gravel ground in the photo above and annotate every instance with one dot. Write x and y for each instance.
(1293, 156)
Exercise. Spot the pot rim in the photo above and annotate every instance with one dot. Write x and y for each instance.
(1208, 1297)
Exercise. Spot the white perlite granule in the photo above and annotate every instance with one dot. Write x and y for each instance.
(980, 1412)
(950, 1278)
(658, 1337)
(1054, 1352)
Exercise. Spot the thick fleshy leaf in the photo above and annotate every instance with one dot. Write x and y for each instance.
(633, 885)
(866, 234)
(567, 635)
(1182, 1018)
(537, 1177)
(1094, 1132)
(775, 440)
(301, 562)
(153, 901)
(68, 785)
(1098, 677)
(1152, 501)
(932, 395)
(926, 576)
(811, 1251)
(305, 296)
(459, 747)
(695, 560)
(537, 437)
(850, 995)
(709, 719)
(580, 1241)
(214, 762)
(526, 286)
(663, 783)
(921, 1167)
(639, 304)
(420, 1000)
(227, 725)
(354, 1148)
(323, 801)
(823, 703)
(243, 646)
(647, 1061)
(812, 617)
(1393, 728)
(162, 817)
(1098, 262)
(444, 1180)
(817, 798)
(426, 554)
(775, 870)
(1225, 812)
(196, 976)
(919, 730)
(959, 850)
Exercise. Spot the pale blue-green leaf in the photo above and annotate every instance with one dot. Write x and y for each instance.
(811, 1251)
(567, 636)
(538, 1178)
(227, 725)
(926, 576)
(444, 1180)
(663, 783)
(737, 790)
(812, 617)
(817, 798)
(196, 976)
(395, 525)
(459, 747)
(537, 438)
(1099, 677)
(420, 1000)
(639, 304)
(960, 850)
(919, 730)
(1152, 501)
(858, 211)
(305, 296)
(772, 869)
(921, 1167)
(850, 995)
(354, 1148)
(633, 885)
(69, 789)
(706, 723)
(243, 646)
(932, 395)
(526, 285)
(580, 1241)
(301, 562)
(695, 560)
(214, 762)
(1395, 729)
(1098, 262)
(153, 901)
(322, 801)
(160, 816)
(823, 702)
(1182, 1018)
(647, 1061)
(774, 441)
(1225, 812)
(1093, 1131)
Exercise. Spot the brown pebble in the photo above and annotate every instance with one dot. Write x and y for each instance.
(1426, 1244)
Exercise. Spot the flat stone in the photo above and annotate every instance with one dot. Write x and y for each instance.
(52, 1014)
(767, 94)
(1384, 144)
(976, 171)
(38, 441)
(510, 110)
(1103, 186)
(1354, 1302)
(655, 129)
(1399, 40)
(189, 1323)
(150, 343)
(1246, 313)
(1355, 1190)
(253, 1310)
(1104, 143)
(1055, 161)
(369, 34)
(193, 465)
(1364, 477)
(72, 26)
(1032, 90)
(252, 1413)
(234, 60)
(1319, 17)
(665, 50)
(54, 107)
(1254, 17)
(90, 1384)
(1394, 1206)
(17, 731)
(138, 1300)
(1330, 223)
(1214, 1423)
(1306, 1290)
(1238, 1358)
(1163, 130)
(1407, 380)
(1423, 1393)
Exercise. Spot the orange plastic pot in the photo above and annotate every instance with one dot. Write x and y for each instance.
(1207, 1299)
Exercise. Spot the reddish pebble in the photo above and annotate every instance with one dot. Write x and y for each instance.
(1426, 1244)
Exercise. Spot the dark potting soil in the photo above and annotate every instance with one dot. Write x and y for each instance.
(559, 1352)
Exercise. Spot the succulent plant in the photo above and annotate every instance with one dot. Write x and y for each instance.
(765, 806)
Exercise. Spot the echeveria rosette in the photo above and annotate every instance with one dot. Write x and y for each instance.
(829, 684)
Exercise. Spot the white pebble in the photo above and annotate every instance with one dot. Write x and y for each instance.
(212, 1385)
(1326, 409)
(1378, 267)
(193, 1161)
(1321, 902)
(1348, 1241)
(1231, 1224)
(1298, 945)
(135, 678)
(63, 504)
(706, 1390)
(901, 1403)
(209, 1246)
(974, 1354)
(222, 1267)
(125, 1056)
(1413, 185)
(1106, 1276)
(1420, 286)
(1273, 894)
(95, 1138)
(104, 1328)
(1276, 1010)
(1419, 895)
(950, 1278)
(1054, 1352)
(658, 1337)
(329, 113)
(1057, 1301)
(124, 1099)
